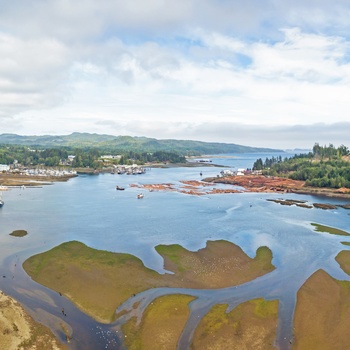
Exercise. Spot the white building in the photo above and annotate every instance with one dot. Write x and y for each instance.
(4, 167)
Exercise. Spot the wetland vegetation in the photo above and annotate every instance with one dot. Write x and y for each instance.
(19, 233)
(84, 274)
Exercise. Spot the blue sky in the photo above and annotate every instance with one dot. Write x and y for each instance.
(260, 73)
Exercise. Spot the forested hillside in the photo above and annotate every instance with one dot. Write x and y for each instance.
(325, 166)
(81, 158)
(121, 144)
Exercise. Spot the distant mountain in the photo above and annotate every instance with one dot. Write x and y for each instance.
(111, 143)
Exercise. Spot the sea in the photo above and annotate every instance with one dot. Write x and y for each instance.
(90, 210)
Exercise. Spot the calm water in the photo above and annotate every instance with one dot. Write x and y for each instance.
(90, 210)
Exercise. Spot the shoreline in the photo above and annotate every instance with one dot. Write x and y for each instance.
(244, 184)
(15, 180)
(250, 183)
(18, 330)
(263, 184)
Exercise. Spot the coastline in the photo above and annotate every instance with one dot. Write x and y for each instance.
(15, 180)
(260, 183)
(19, 331)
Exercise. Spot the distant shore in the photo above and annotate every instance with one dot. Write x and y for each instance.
(16, 180)
(250, 183)
(260, 183)
(245, 184)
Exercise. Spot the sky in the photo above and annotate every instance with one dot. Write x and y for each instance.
(273, 73)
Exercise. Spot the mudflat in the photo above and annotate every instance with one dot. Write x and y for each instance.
(82, 273)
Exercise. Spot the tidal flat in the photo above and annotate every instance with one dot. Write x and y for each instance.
(82, 274)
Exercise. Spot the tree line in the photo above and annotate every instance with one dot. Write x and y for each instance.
(82, 157)
(325, 166)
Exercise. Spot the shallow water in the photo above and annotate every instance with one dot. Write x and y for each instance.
(90, 210)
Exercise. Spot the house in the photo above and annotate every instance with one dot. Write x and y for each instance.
(4, 167)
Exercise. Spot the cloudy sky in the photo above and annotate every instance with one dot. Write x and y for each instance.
(272, 73)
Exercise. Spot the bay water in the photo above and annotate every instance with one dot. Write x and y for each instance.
(90, 210)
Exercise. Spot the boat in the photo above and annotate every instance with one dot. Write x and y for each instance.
(119, 188)
(140, 195)
(1, 203)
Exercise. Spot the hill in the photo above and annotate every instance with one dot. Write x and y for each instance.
(323, 167)
(109, 143)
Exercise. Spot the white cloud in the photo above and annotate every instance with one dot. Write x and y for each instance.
(185, 64)
(32, 73)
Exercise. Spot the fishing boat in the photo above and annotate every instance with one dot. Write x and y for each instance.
(119, 188)
(140, 195)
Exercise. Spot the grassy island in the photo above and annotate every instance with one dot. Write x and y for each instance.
(19, 233)
(161, 324)
(250, 325)
(322, 312)
(83, 274)
(329, 229)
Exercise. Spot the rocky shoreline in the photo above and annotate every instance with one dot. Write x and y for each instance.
(245, 184)
(260, 183)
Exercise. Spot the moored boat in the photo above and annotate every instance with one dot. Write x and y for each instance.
(119, 188)
(140, 195)
(1, 203)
